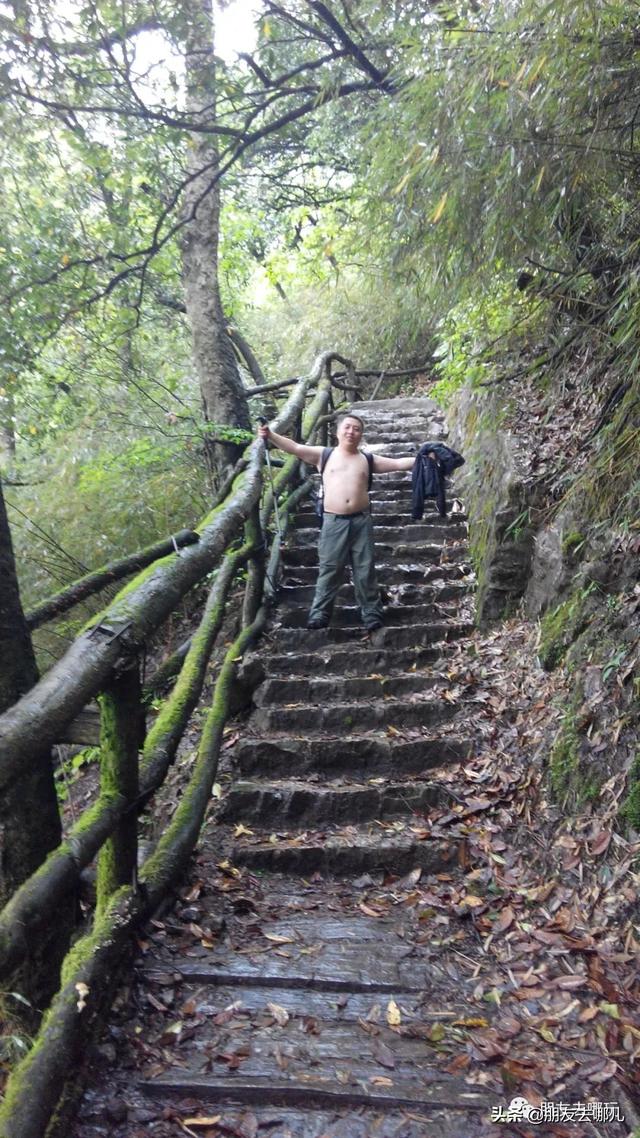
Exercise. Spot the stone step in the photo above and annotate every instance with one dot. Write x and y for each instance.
(418, 428)
(392, 448)
(333, 1119)
(394, 515)
(209, 1000)
(409, 594)
(302, 689)
(344, 717)
(394, 486)
(422, 531)
(294, 802)
(391, 636)
(346, 616)
(406, 432)
(428, 529)
(392, 847)
(337, 965)
(394, 489)
(388, 574)
(390, 479)
(321, 1088)
(393, 415)
(429, 552)
(417, 422)
(361, 660)
(366, 755)
(396, 405)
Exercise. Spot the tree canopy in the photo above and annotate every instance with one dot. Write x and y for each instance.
(427, 182)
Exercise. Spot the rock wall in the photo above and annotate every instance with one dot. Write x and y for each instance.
(499, 495)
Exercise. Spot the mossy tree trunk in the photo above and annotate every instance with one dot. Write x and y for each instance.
(29, 817)
(221, 388)
(121, 739)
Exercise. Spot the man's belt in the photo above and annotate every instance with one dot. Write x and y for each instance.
(357, 514)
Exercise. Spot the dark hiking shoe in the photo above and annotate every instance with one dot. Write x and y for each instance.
(374, 626)
(314, 624)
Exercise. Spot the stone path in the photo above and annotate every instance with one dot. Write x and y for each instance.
(315, 1013)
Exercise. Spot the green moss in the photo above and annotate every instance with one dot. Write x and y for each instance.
(565, 757)
(26, 1079)
(630, 811)
(571, 543)
(589, 791)
(164, 736)
(561, 626)
(120, 731)
(575, 778)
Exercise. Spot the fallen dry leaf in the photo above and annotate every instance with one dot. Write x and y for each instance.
(369, 911)
(600, 843)
(393, 1014)
(505, 920)
(280, 1014)
(472, 901)
(383, 1054)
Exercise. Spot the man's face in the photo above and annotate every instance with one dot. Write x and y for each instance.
(350, 432)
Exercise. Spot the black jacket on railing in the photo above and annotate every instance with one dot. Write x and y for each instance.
(428, 475)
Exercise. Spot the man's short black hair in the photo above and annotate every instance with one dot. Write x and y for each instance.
(349, 415)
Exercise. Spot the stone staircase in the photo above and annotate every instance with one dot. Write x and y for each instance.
(313, 1014)
(348, 728)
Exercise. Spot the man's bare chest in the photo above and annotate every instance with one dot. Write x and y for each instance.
(351, 470)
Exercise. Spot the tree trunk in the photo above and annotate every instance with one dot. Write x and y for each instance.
(18, 671)
(7, 430)
(29, 818)
(223, 397)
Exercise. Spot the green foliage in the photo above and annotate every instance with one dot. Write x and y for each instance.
(565, 756)
(499, 323)
(607, 491)
(111, 503)
(562, 625)
(572, 543)
(501, 83)
(106, 471)
(630, 810)
(574, 780)
(392, 228)
(230, 434)
(14, 1042)
(519, 526)
(69, 769)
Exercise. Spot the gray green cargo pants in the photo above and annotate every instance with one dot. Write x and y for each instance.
(347, 539)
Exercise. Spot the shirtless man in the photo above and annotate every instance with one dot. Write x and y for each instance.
(347, 529)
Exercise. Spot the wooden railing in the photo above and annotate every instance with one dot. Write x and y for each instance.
(104, 662)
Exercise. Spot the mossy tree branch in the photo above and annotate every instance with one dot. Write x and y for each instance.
(35, 904)
(137, 611)
(36, 901)
(93, 582)
(37, 1084)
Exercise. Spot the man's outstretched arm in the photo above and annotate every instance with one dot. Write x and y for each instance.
(311, 455)
(384, 465)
